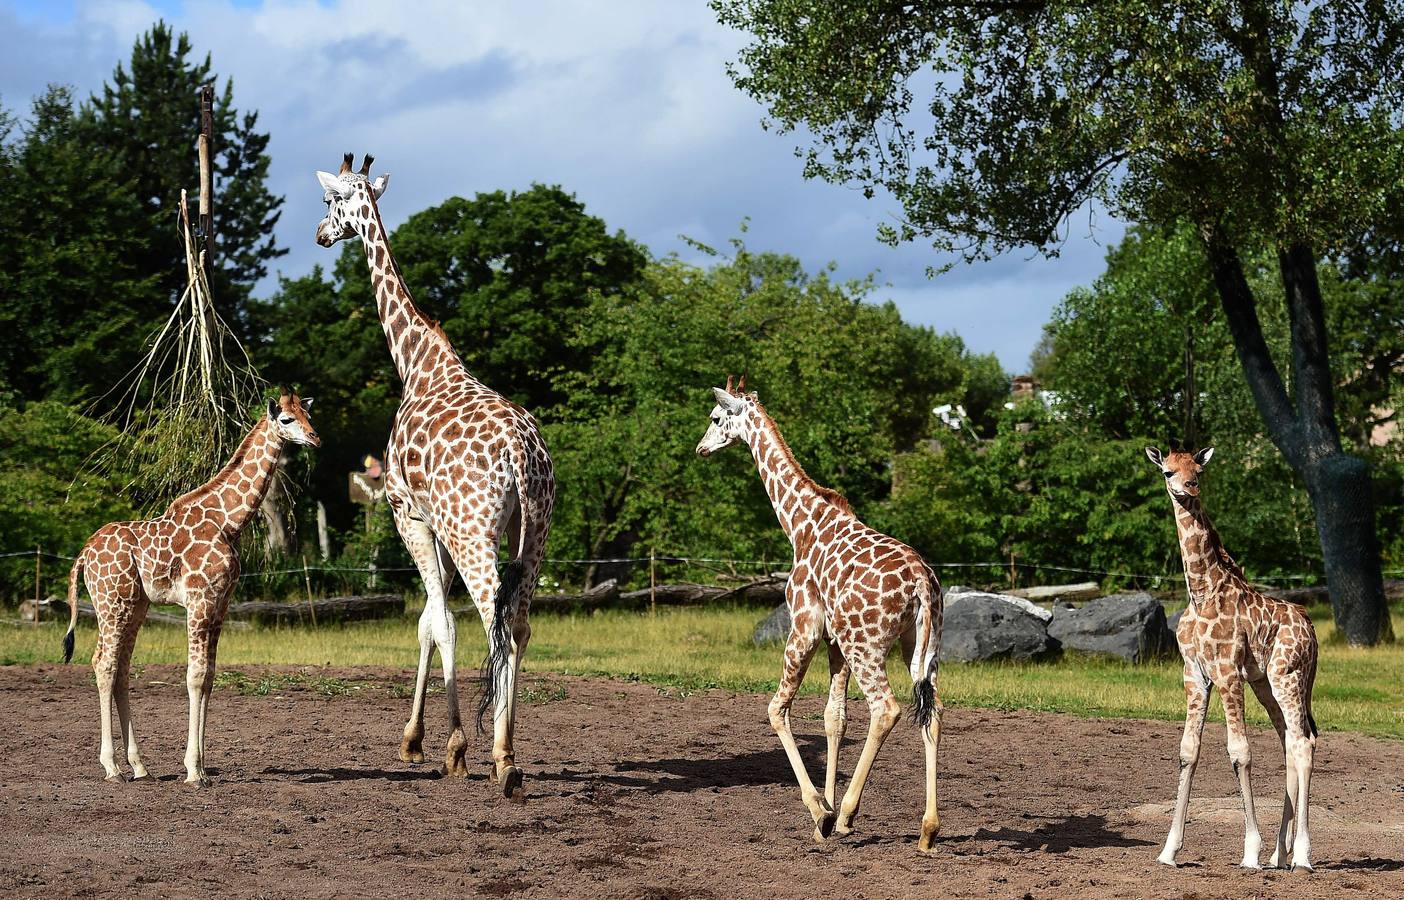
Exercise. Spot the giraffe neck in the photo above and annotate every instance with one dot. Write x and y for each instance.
(417, 344)
(1207, 565)
(235, 492)
(798, 501)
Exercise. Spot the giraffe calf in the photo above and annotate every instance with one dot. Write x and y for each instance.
(188, 555)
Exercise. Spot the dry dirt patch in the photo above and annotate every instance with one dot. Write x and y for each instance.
(636, 794)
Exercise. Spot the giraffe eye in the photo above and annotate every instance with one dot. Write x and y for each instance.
(1167, 474)
(286, 420)
(716, 420)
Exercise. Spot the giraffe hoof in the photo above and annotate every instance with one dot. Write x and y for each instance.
(411, 754)
(144, 778)
(512, 784)
(927, 842)
(199, 783)
(116, 779)
(824, 826)
(1299, 867)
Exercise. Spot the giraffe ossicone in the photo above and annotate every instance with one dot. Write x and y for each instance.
(854, 587)
(1232, 635)
(188, 555)
(464, 468)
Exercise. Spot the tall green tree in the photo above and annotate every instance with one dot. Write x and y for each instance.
(1261, 123)
(147, 118)
(74, 298)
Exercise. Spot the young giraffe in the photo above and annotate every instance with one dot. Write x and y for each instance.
(857, 588)
(464, 465)
(1229, 635)
(189, 555)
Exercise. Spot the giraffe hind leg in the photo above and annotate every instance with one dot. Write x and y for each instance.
(799, 649)
(1283, 850)
(870, 667)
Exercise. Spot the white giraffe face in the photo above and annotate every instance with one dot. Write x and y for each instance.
(348, 199)
(289, 417)
(731, 419)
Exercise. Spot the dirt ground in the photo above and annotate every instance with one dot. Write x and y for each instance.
(634, 791)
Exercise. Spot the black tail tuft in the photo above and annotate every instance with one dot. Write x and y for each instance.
(68, 647)
(499, 637)
(1311, 723)
(923, 702)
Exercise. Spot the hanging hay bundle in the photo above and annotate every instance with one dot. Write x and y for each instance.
(186, 406)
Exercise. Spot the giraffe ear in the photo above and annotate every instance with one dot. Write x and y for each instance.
(380, 184)
(331, 184)
(728, 401)
(272, 408)
(1153, 454)
(306, 403)
(1203, 456)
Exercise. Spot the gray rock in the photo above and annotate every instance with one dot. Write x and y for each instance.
(1130, 626)
(1173, 622)
(774, 627)
(988, 626)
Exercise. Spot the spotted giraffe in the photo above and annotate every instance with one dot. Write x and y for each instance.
(858, 589)
(1229, 635)
(464, 467)
(188, 555)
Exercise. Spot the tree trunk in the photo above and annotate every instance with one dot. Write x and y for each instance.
(1341, 495)
(1305, 431)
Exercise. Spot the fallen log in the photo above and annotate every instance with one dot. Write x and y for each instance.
(765, 591)
(321, 611)
(1083, 590)
(59, 609)
(1304, 596)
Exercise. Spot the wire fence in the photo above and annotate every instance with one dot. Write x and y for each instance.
(370, 575)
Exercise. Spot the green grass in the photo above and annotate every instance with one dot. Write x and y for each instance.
(690, 649)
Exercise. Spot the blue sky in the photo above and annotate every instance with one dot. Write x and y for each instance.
(625, 104)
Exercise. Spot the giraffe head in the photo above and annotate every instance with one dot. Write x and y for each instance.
(731, 418)
(288, 416)
(350, 198)
(1181, 469)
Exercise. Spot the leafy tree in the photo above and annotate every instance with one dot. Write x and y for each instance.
(148, 118)
(73, 295)
(511, 277)
(1256, 122)
(850, 384)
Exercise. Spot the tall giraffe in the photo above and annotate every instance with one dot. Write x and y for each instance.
(1230, 634)
(464, 466)
(857, 588)
(188, 555)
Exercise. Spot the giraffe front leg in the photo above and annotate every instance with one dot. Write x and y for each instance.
(1283, 851)
(1241, 756)
(799, 649)
(835, 719)
(1197, 688)
(203, 636)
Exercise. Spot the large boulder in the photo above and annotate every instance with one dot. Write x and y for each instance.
(994, 626)
(774, 627)
(1130, 626)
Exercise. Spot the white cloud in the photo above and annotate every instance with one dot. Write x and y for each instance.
(627, 104)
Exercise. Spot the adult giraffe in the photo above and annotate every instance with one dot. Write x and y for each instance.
(464, 466)
(860, 590)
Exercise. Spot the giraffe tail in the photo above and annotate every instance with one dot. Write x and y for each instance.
(926, 657)
(504, 609)
(73, 574)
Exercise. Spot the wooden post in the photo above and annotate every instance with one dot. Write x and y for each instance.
(323, 541)
(206, 178)
(652, 583)
(38, 607)
(307, 582)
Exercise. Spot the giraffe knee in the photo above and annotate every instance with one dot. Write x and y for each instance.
(885, 713)
(521, 632)
(835, 717)
(779, 711)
